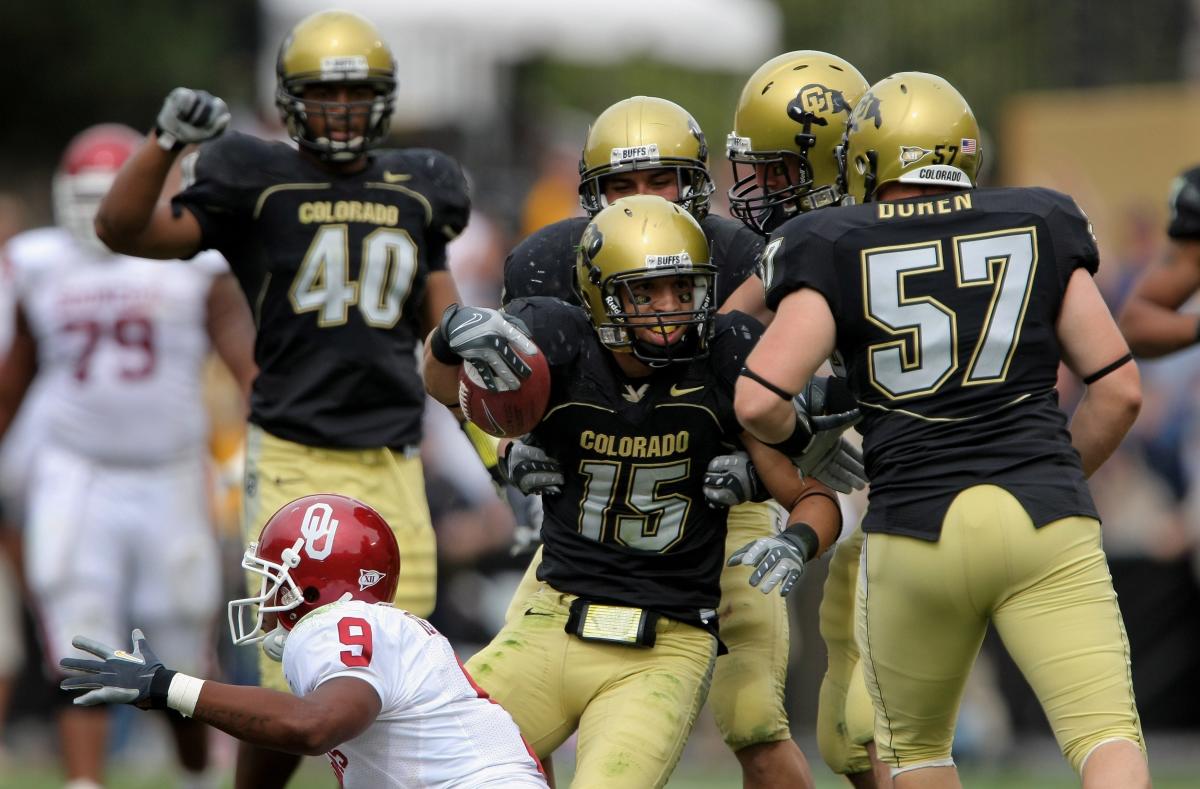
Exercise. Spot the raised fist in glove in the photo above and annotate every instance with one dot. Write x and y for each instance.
(530, 470)
(118, 677)
(779, 560)
(731, 480)
(189, 116)
(486, 339)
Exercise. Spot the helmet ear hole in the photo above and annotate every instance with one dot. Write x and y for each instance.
(311, 594)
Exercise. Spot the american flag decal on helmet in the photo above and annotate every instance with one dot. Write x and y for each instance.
(969, 145)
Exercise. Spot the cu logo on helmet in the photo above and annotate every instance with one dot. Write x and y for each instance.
(317, 529)
(818, 99)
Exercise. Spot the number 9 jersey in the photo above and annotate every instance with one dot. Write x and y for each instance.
(946, 308)
(334, 268)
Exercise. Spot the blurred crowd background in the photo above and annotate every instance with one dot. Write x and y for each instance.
(1097, 98)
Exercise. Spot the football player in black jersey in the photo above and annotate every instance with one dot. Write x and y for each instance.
(787, 127)
(640, 403)
(340, 248)
(952, 307)
(648, 145)
(1151, 318)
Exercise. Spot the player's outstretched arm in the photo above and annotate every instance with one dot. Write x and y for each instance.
(338, 710)
(132, 219)
(814, 523)
(1150, 319)
(1093, 348)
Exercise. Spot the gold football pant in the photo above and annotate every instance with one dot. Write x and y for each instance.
(278, 471)
(845, 717)
(634, 708)
(747, 697)
(923, 608)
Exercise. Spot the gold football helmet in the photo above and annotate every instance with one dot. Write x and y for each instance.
(343, 48)
(638, 238)
(645, 133)
(789, 122)
(911, 128)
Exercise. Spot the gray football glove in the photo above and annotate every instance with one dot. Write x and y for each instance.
(118, 677)
(484, 338)
(828, 409)
(777, 561)
(189, 116)
(530, 470)
(731, 480)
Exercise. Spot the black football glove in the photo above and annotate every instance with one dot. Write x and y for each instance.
(530, 470)
(485, 339)
(189, 116)
(827, 409)
(731, 480)
(118, 677)
(777, 561)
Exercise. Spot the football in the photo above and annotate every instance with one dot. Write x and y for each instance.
(506, 414)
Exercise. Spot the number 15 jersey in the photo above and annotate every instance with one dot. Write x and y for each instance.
(946, 308)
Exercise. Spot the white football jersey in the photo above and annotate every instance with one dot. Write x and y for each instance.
(435, 728)
(121, 343)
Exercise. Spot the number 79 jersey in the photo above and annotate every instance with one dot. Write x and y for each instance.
(946, 308)
(334, 267)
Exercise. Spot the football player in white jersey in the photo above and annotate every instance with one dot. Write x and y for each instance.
(376, 688)
(117, 504)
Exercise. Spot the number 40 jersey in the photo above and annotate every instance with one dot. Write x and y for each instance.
(334, 267)
(946, 307)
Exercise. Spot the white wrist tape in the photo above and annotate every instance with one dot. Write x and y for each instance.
(183, 694)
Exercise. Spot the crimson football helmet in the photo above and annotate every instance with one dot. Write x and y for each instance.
(87, 170)
(316, 550)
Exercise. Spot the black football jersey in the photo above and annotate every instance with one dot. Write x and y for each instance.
(334, 268)
(544, 263)
(1184, 203)
(631, 526)
(946, 308)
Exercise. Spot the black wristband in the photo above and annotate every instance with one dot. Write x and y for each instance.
(160, 683)
(1103, 371)
(795, 445)
(176, 146)
(439, 348)
(804, 537)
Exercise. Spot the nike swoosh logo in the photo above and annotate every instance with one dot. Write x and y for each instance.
(677, 392)
(395, 178)
(469, 322)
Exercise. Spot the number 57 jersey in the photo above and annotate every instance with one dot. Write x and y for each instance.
(946, 307)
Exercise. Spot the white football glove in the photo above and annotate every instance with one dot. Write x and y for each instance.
(189, 116)
(484, 338)
(777, 561)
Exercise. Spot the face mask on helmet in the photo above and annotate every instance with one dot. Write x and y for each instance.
(643, 274)
(336, 85)
(645, 134)
(316, 550)
(786, 130)
(910, 128)
(87, 171)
